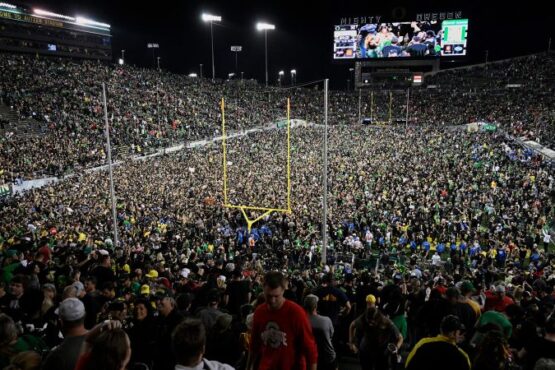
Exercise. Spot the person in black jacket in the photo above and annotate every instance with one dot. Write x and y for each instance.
(167, 321)
(441, 351)
(141, 333)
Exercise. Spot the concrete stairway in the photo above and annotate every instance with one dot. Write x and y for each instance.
(10, 122)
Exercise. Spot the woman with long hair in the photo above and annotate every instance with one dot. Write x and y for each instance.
(107, 347)
(493, 352)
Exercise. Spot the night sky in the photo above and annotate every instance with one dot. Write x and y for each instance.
(303, 35)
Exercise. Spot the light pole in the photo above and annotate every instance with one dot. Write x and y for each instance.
(109, 155)
(280, 76)
(158, 61)
(352, 70)
(325, 178)
(236, 49)
(261, 26)
(293, 77)
(123, 56)
(201, 70)
(153, 46)
(212, 18)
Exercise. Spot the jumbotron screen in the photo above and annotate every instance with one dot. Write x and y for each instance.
(401, 39)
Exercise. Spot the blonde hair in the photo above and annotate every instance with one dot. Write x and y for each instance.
(28, 360)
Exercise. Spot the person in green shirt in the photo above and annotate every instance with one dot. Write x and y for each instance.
(400, 321)
(11, 343)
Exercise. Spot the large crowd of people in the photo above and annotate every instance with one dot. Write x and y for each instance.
(149, 109)
(440, 250)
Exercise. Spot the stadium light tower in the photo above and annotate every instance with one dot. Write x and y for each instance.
(280, 76)
(123, 56)
(236, 49)
(212, 18)
(153, 46)
(293, 77)
(261, 26)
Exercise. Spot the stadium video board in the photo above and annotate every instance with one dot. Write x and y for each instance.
(401, 39)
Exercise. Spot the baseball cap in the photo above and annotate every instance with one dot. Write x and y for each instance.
(370, 28)
(71, 309)
(370, 298)
(467, 286)
(152, 274)
(126, 268)
(79, 287)
(165, 282)
(145, 290)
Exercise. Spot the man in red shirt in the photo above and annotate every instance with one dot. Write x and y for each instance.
(497, 300)
(281, 333)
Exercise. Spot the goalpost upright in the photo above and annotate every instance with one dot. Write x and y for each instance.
(266, 210)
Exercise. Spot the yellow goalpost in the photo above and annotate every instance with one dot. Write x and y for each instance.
(372, 111)
(243, 208)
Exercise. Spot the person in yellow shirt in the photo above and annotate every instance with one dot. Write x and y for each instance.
(440, 352)
(467, 289)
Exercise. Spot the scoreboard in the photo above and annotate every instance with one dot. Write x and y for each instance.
(414, 39)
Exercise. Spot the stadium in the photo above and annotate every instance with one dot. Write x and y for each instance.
(220, 200)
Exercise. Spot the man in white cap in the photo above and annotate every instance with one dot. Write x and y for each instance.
(497, 299)
(71, 314)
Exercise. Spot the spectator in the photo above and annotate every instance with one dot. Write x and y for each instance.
(332, 301)
(371, 335)
(167, 321)
(322, 328)
(106, 347)
(141, 333)
(71, 313)
(281, 334)
(540, 351)
(442, 349)
(497, 300)
(189, 343)
(493, 353)
(28, 360)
